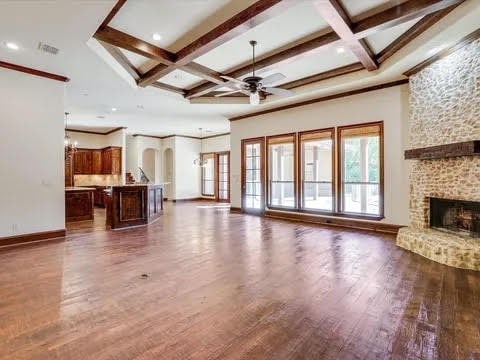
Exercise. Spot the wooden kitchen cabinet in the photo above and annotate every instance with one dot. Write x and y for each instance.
(112, 161)
(107, 161)
(82, 162)
(97, 161)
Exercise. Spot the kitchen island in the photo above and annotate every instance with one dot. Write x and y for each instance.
(133, 205)
(79, 203)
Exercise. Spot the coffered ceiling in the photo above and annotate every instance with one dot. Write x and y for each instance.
(167, 85)
(302, 39)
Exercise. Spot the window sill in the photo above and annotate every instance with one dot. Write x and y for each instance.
(329, 214)
(364, 223)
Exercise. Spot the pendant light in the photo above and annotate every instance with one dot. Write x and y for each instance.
(70, 146)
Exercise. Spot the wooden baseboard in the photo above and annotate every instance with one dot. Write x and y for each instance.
(26, 238)
(193, 199)
(334, 221)
(235, 210)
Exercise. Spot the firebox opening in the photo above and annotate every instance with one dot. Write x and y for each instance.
(456, 216)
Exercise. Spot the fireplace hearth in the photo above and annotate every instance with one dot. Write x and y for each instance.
(455, 216)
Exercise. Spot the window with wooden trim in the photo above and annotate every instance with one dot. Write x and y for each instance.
(281, 160)
(208, 174)
(317, 170)
(361, 169)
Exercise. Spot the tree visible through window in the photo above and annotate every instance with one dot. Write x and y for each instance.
(317, 169)
(360, 162)
(281, 173)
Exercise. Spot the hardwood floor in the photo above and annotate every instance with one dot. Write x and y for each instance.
(231, 286)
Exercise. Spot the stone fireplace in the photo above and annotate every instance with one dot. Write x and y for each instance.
(445, 163)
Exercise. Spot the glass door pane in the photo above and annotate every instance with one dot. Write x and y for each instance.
(252, 179)
(281, 171)
(223, 193)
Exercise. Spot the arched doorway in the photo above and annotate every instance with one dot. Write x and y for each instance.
(149, 164)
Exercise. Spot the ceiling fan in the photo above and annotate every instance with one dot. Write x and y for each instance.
(253, 85)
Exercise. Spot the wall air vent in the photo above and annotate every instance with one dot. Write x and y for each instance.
(47, 48)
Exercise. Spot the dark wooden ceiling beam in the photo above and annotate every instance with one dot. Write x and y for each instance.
(168, 87)
(335, 15)
(122, 60)
(252, 16)
(203, 72)
(112, 13)
(323, 76)
(27, 70)
(399, 14)
(155, 73)
(421, 26)
(135, 45)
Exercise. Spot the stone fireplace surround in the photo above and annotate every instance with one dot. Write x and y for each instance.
(444, 110)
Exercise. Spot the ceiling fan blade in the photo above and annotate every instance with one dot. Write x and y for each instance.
(233, 80)
(227, 93)
(272, 78)
(279, 91)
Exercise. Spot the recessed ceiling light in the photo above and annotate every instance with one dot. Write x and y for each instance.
(340, 50)
(12, 45)
(114, 109)
(157, 37)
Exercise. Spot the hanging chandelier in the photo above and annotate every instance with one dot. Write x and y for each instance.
(70, 146)
(199, 161)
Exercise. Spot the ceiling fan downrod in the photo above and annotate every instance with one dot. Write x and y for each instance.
(253, 43)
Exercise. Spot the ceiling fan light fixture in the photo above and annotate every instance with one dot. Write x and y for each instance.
(254, 98)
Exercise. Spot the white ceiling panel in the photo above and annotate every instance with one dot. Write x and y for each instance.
(179, 22)
(357, 7)
(300, 21)
(311, 64)
(382, 39)
(180, 79)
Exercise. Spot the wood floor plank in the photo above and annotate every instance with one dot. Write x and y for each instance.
(232, 286)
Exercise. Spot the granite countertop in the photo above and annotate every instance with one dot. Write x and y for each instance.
(77, 188)
(133, 185)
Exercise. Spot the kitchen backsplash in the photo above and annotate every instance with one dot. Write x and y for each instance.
(101, 180)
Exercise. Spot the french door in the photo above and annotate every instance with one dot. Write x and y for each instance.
(223, 176)
(253, 175)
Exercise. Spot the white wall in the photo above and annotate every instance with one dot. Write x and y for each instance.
(389, 105)
(136, 145)
(31, 154)
(88, 141)
(216, 144)
(187, 174)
